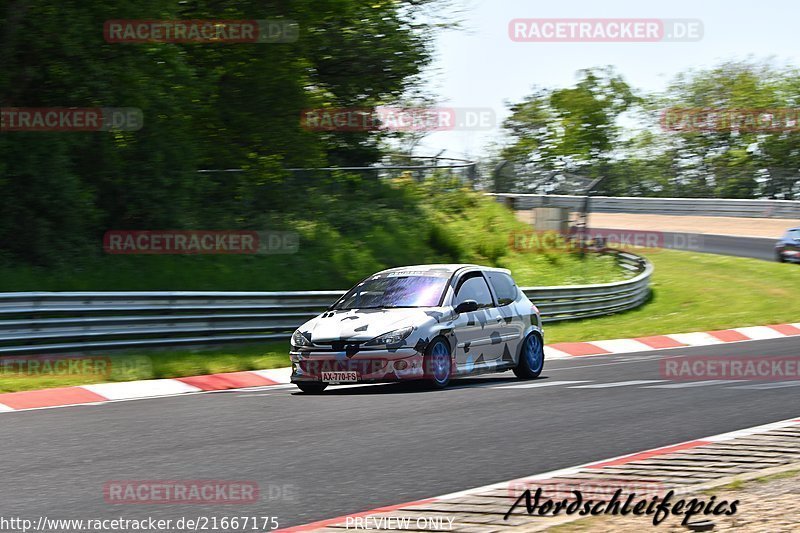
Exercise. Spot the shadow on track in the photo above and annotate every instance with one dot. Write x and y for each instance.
(418, 387)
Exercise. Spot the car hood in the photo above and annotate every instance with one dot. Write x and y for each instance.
(365, 324)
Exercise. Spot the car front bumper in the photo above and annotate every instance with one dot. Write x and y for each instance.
(792, 256)
(371, 366)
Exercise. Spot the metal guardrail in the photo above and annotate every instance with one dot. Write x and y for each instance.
(718, 207)
(47, 322)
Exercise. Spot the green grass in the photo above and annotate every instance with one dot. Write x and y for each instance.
(698, 292)
(739, 484)
(780, 475)
(342, 240)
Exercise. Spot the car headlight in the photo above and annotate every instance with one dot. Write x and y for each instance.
(393, 337)
(298, 339)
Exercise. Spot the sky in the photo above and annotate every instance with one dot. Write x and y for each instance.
(480, 66)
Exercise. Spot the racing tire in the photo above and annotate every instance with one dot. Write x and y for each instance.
(779, 257)
(531, 357)
(437, 364)
(311, 387)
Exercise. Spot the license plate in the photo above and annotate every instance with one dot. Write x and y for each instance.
(340, 377)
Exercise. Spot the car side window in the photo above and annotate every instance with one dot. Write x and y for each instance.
(474, 288)
(504, 287)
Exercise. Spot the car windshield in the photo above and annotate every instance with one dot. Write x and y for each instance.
(393, 290)
(793, 234)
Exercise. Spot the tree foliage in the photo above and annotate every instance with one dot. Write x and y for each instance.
(205, 106)
(601, 127)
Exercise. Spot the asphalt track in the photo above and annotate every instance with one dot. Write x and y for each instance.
(753, 247)
(353, 449)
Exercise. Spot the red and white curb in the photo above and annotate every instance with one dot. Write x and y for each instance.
(566, 350)
(135, 390)
(154, 388)
(532, 480)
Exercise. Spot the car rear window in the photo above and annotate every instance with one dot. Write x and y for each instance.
(504, 287)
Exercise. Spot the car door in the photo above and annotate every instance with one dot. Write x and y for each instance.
(512, 325)
(477, 336)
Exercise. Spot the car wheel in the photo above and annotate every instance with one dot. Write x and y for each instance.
(779, 256)
(311, 387)
(531, 358)
(438, 363)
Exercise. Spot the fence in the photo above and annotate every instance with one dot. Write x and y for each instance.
(46, 322)
(717, 207)
(418, 168)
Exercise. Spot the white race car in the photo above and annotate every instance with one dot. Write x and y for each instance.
(425, 322)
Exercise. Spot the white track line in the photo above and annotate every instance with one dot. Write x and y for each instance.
(766, 386)
(618, 384)
(537, 385)
(689, 384)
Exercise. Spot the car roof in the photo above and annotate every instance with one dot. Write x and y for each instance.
(447, 267)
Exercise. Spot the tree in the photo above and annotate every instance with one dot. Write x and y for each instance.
(571, 129)
(205, 106)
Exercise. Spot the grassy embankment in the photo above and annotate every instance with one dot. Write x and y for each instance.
(341, 241)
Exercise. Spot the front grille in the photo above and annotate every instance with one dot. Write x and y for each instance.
(351, 348)
(362, 366)
(341, 346)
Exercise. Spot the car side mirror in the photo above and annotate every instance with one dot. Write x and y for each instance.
(467, 306)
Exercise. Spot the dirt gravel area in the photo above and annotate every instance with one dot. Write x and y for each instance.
(742, 227)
